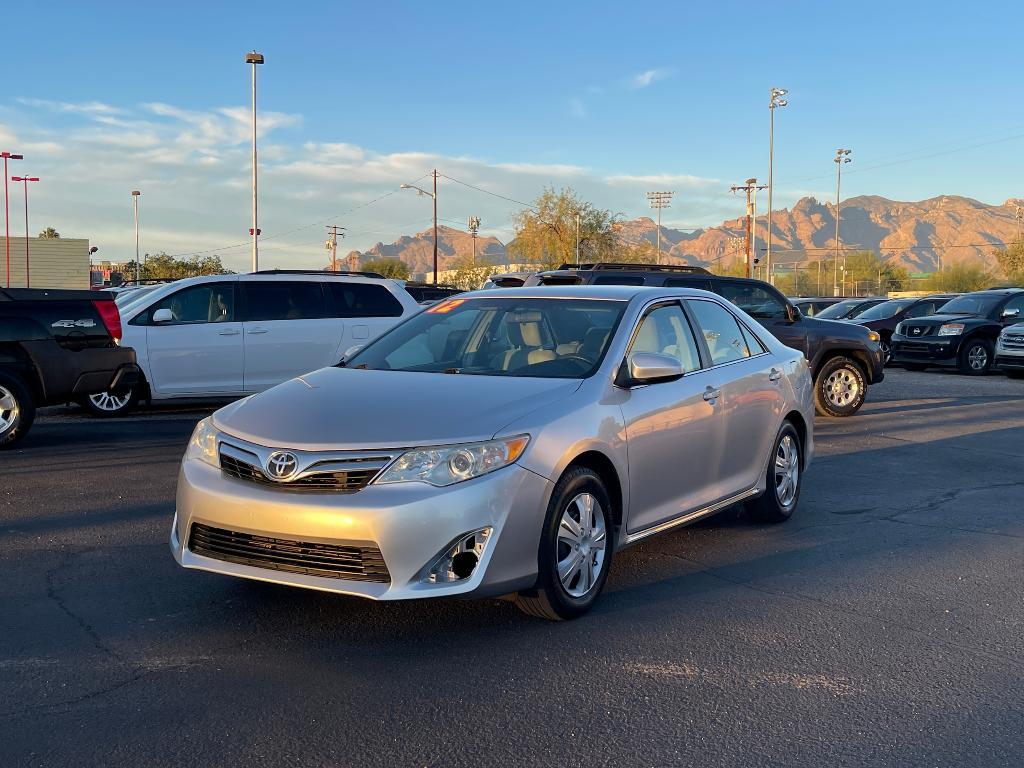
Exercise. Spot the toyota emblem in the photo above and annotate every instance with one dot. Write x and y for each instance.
(281, 466)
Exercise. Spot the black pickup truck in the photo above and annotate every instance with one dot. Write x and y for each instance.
(844, 358)
(57, 346)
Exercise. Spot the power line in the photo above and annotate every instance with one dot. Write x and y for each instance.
(488, 192)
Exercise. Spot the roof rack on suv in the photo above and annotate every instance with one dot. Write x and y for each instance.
(316, 272)
(623, 267)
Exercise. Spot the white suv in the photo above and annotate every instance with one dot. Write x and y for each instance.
(232, 335)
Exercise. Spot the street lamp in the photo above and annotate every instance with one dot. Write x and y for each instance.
(842, 157)
(7, 213)
(25, 180)
(774, 101)
(135, 208)
(254, 59)
(433, 196)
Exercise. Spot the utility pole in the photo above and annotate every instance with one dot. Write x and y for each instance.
(577, 238)
(840, 159)
(474, 227)
(135, 209)
(658, 201)
(1019, 213)
(776, 100)
(254, 59)
(432, 195)
(7, 212)
(750, 187)
(25, 180)
(333, 231)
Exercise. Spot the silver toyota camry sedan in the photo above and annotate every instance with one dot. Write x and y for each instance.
(503, 442)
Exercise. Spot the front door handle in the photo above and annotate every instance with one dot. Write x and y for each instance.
(256, 331)
(711, 394)
(775, 375)
(228, 333)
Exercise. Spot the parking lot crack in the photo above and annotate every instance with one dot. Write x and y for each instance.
(53, 594)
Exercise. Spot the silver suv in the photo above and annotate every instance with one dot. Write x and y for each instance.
(1010, 351)
(506, 441)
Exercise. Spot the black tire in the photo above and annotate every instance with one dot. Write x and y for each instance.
(19, 413)
(549, 599)
(770, 506)
(110, 405)
(975, 357)
(914, 366)
(885, 343)
(839, 388)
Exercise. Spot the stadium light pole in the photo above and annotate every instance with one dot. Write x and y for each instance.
(253, 58)
(842, 157)
(25, 180)
(135, 210)
(776, 100)
(7, 213)
(432, 196)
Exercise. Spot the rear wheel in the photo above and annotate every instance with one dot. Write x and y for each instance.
(110, 404)
(782, 491)
(17, 410)
(839, 388)
(975, 357)
(575, 549)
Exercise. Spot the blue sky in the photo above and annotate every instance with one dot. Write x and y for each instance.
(610, 98)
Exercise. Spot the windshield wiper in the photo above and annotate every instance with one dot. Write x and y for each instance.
(453, 370)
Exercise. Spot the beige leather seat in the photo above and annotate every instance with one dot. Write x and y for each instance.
(524, 334)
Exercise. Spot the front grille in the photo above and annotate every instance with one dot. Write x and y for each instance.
(326, 560)
(910, 346)
(1012, 342)
(917, 331)
(337, 473)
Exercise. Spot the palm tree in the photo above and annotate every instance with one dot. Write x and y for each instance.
(50, 234)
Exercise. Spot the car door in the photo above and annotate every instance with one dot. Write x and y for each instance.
(199, 351)
(368, 309)
(672, 427)
(751, 401)
(768, 307)
(287, 331)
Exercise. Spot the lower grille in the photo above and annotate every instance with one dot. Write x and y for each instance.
(325, 560)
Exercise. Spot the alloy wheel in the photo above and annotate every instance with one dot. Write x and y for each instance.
(787, 471)
(977, 358)
(582, 539)
(107, 401)
(886, 351)
(9, 409)
(842, 387)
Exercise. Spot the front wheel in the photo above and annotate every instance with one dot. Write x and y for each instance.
(839, 388)
(17, 410)
(107, 405)
(782, 489)
(886, 347)
(575, 549)
(975, 357)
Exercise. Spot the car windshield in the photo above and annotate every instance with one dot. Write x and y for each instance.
(971, 304)
(839, 310)
(885, 310)
(545, 338)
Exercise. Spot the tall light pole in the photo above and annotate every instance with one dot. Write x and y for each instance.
(135, 211)
(433, 196)
(841, 158)
(25, 180)
(776, 100)
(7, 213)
(577, 238)
(658, 201)
(254, 58)
(474, 228)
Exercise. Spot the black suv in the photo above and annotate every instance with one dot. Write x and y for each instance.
(844, 358)
(963, 334)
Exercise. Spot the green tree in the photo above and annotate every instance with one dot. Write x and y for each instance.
(959, 278)
(866, 272)
(469, 274)
(50, 234)
(389, 267)
(1011, 262)
(161, 265)
(545, 233)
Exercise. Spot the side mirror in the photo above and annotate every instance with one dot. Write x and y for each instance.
(651, 367)
(163, 316)
(1010, 313)
(792, 313)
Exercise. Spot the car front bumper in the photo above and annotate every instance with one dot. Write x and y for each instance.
(1009, 358)
(410, 523)
(941, 350)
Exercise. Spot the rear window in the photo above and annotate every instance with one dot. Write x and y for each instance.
(267, 301)
(363, 300)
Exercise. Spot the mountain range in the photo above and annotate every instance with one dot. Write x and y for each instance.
(920, 236)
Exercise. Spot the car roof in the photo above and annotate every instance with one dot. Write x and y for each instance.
(602, 292)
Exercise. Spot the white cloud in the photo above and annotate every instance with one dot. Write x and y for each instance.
(648, 77)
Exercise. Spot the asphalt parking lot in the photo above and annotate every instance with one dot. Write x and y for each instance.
(883, 625)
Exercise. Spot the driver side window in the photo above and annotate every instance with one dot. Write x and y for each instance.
(666, 331)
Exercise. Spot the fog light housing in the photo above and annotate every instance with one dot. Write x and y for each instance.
(459, 560)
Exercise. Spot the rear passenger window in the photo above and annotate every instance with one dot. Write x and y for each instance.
(265, 301)
(666, 331)
(722, 332)
(753, 343)
(618, 280)
(363, 300)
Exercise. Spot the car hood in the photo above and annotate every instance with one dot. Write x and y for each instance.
(839, 328)
(353, 409)
(940, 319)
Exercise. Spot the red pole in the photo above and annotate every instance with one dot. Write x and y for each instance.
(25, 180)
(7, 223)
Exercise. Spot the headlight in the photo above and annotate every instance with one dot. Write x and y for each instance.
(449, 464)
(951, 329)
(203, 443)
(873, 335)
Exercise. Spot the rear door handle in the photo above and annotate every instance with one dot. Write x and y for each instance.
(774, 375)
(256, 331)
(711, 394)
(228, 333)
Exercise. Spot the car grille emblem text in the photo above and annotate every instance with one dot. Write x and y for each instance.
(281, 466)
